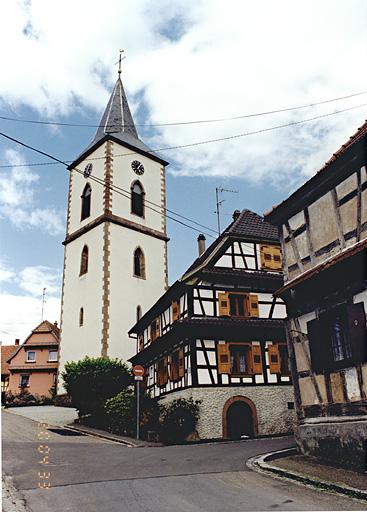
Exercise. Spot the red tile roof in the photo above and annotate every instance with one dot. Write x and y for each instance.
(6, 352)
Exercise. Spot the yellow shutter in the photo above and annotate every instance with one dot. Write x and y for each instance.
(223, 304)
(181, 363)
(157, 327)
(175, 311)
(158, 374)
(276, 258)
(257, 365)
(274, 359)
(266, 257)
(252, 305)
(224, 359)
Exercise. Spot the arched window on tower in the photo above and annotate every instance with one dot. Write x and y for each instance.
(139, 263)
(138, 313)
(84, 261)
(81, 317)
(86, 199)
(137, 199)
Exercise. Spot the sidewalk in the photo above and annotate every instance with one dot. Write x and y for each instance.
(310, 471)
(103, 434)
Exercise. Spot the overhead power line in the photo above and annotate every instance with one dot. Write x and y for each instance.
(181, 123)
(208, 141)
(117, 190)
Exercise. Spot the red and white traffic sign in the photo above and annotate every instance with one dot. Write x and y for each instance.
(138, 370)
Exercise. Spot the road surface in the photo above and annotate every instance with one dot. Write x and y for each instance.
(94, 475)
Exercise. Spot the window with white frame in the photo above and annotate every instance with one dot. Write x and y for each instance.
(24, 381)
(31, 356)
(52, 355)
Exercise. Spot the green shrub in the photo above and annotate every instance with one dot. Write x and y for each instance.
(92, 381)
(121, 413)
(179, 419)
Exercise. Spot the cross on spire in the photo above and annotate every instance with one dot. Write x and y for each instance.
(119, 61)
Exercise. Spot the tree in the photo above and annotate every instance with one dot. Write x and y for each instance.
(92, 381)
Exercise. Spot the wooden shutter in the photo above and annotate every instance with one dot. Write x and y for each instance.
(181, 363)
(223, 304)
(165, 370)
(175, 311)
(224, 359)
(266, 256)
(357, 331)
(274, 359)
(257, 365)
(276, 258)
(173, 364)
(141, 341)
(155, 329)
(158, 374)
(252, 302)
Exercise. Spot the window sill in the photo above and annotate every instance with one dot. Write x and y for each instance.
(139, 277)
(31, 361)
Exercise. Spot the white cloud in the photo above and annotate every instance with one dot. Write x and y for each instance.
(20, 314)
(199, 59)
(6, 273)
(34, 279)
(17, 198)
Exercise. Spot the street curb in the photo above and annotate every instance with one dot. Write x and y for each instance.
(260, 464)
(102, 436)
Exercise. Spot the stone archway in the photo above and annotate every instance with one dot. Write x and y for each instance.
(239, 417)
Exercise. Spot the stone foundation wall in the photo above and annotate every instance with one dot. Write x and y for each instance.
(342, 443)
(271, 404)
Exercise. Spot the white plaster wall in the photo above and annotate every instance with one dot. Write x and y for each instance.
(127, 291)
(82, 291)
(124, 176)
(78, 184)
(271, 404)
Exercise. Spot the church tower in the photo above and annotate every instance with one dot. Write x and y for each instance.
(115, 261)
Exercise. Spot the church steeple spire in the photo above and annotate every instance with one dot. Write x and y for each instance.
(117, 124)
(117, 118)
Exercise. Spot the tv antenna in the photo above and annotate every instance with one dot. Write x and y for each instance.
(43, 302)
(218, 191)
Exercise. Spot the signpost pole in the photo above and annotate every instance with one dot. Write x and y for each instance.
(138, 372)
(137, 409)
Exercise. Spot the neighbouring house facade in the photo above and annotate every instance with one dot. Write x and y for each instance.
(115, 259)
(323, 229)
(33, 366)
(217, 335)
(6, 352)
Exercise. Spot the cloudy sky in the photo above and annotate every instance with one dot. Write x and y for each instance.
(189, 60)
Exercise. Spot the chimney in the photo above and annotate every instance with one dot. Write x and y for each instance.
(201, 244)
(236, 214)
(55, 323)
(16, 342)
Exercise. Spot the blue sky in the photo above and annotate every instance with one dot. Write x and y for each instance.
(185, 61)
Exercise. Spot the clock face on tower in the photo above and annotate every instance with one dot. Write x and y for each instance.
(137, 167)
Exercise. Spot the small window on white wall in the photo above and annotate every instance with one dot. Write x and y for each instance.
(81, 317)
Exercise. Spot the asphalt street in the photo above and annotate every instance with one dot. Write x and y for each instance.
(90, 474)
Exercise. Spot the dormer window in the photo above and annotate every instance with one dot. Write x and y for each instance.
(86, 201)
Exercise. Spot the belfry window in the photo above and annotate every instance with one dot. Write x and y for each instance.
(139, 263)
(86, 200)
(84, 261)
(137, 199)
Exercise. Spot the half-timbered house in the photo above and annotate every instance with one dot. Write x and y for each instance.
(217, 335)
(323, 228)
